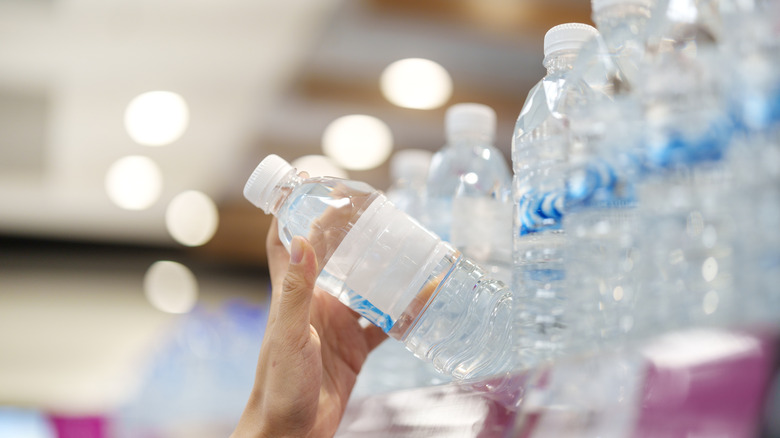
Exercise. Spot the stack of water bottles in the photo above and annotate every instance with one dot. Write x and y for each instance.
(646, 177)
(644, 197)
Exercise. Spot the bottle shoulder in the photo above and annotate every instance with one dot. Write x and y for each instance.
(334, 186)
(548, 106)
(314, 195)
(482, 159)
(474, 153)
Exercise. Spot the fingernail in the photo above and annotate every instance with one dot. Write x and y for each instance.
(296, 250)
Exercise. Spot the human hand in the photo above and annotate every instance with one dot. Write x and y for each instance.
(312, 351)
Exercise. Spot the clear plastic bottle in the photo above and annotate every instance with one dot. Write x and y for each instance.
(622, 25)
(753, 87)
(687, 223)
(469, 187)
(409, 172)
(539, 156)
(602, 227)
(601, 220)
(387, 267)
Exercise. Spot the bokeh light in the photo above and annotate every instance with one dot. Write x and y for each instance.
(134, 182)
(617, 293)
(156, 118)
(192, 218)
(171, 287)
(416, 83)
(318, 165)
(357, 142)
(709, 269)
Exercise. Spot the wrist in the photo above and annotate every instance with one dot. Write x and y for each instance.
(254, 430)
(256, 423)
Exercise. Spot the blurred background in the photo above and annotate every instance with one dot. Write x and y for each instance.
(132, 271)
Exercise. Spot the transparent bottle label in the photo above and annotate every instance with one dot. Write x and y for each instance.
(383, 263)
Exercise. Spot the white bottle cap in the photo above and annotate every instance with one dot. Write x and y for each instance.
(410, 163)
(471, 120)
(259, 188)
(597, 5)
(569, 36)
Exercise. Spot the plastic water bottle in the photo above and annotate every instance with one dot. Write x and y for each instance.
(601, 220)
(539, 156)
(753, 46)
(622, 25)
(469, 189)
(610, 61)
(683, 26)
(754, 162)
(602, 227)
(388, 268)
(685, 193)
(409, 172)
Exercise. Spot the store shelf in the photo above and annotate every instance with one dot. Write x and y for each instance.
(697, 383)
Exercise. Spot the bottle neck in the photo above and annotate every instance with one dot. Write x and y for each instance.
(616, 22)
(282, 191)
(560, 61)
(619, 12)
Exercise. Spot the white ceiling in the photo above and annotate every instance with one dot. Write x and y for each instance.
(87, 59)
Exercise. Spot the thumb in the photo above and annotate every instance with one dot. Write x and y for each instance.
(298, 287)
